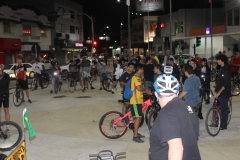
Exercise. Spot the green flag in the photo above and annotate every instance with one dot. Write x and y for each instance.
(27, 124)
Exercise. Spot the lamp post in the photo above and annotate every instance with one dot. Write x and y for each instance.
(102, 29)
(170, 36)
(121, 35)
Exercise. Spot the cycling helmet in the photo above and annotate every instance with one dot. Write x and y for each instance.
(204, 60)
(165, 85)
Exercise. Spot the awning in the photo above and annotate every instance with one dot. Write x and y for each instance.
(9, 20)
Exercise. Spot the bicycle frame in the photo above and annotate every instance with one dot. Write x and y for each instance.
(116, 122)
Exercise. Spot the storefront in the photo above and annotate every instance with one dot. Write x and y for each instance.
(9, 49)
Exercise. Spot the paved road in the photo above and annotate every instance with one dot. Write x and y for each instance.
(67, 128)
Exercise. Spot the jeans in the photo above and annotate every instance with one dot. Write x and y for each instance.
(224, 111)
(40, 79)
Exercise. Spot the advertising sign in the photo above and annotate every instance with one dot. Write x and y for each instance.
(149, 30)
(18, 153)
(149, 5)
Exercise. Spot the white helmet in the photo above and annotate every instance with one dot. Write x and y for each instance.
(166, 85)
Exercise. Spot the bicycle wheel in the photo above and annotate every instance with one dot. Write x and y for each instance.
(107, 84)
(106, 125)
(75, 85)
(152, 116)
(235, 91)
(45, 82)
(229, 111)
(10, 135)
(213, 121)
(18, 97)
(33, 84)
(56, 87)
(71, 87)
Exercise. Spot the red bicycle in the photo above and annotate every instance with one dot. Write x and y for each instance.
(114, 124)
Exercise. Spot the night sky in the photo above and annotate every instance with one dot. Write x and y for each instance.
(112, 13)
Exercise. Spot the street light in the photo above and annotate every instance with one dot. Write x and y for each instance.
(102, 29)
(121, 24)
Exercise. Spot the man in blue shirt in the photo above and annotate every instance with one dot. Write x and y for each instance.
(191, 89)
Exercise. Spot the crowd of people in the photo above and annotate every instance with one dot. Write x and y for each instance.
(171, 134)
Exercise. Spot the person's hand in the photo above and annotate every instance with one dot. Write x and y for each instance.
(216, 95)
(149, 92)
(24, 79)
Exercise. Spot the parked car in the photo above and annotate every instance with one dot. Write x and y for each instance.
(9, 69)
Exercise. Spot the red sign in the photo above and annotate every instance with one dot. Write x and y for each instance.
(78, 44)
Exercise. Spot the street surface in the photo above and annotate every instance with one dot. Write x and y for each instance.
(67, 128)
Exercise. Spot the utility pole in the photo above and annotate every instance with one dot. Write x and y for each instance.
(170, 27)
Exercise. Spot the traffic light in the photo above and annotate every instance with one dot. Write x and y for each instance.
(95, 43)
(198, 41)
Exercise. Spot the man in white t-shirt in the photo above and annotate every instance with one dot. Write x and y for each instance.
(37, 68)
(167, 56)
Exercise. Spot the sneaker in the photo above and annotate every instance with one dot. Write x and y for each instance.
(42, 88)
(137, 139)
(83, 90)
(207, 102)
(29, 101)
(92, 88)
(112, 92)
(200, 117)
(100, 88)
(140, 136)
(51, 91)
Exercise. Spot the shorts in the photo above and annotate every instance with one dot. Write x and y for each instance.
(136, 110)
(101, 76)
(23, 84)
(5, 102)
(114, 78)
(234, 74)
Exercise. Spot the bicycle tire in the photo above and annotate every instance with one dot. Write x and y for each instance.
(107, 84)
(149, 110)
(114, 115)
(17, 97)
(45, 82)
(33, 84)
(56, 87)
(71, 86)
(152, 116)
(235, 90)
(229, 111)
(13, 136)
(213, 121)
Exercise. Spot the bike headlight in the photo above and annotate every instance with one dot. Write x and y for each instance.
(55, 73)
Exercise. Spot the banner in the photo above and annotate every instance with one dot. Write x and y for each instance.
(150, 30)
(27, 124)
(149, 5)
(18, 153)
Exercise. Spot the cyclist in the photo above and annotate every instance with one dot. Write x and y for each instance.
(20, 72)
(205, 78)
(53, 70)
(223, 91)
(37, 68)
(198, 60)
(4, 92)
(137, 100)
(85, 67)
(168, 55)
(157, 71)
(235, 63)
(116, 74)
(123, 81)
(176, 72)
(191, 89)
(175, 131)
(101, 71)
(73, 70)
(148, 73)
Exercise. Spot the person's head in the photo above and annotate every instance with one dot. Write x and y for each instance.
(84, 58)
(168, 53)
(196, 55)
(224, 52)
(193, 63)
(74, 57)
(204, 62)
(166, 88)
(1, 68)
(95, 63)
(219, 52)
(157, 69)
(160, 53)
(71, 62)
(139, 69)
(152, 56)
(170, 61)
(54, 58)
(148, 60)
(222, 59)
(36, 60)
(130, 67)
(19, 62)
(116, 61)
(188, 71)
(237, 54)
(191, 56)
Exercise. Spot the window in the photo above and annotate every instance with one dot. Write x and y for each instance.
(181, 27)
(229, 18)
(6, 27)
(72, 29)
(72, 14)
(43, 32)
(77, 30)
(236, 17)
(176, 27)
(61, 27)
(61, 10)
(27, 30)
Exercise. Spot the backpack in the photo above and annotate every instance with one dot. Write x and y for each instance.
(128, 93)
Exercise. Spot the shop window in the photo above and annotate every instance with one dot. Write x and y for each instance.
(43, 32)
(6, 27)
(61, 27)
(72, 29)
(236, 16)
(27, 30)
(229, 18)
(72, 14)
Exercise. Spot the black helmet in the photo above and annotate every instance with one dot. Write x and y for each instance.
(204, 60)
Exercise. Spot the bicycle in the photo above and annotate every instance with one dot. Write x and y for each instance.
(118, 123)
(204, 91)
(213, 118)
(107, 155)
(72, 82)
(10, 135)
(86, 79)
(35, 80)
(18, 95)
(235, 86)
(107, 83)
(57, 84)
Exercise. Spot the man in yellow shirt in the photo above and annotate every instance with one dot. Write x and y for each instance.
(137, 100)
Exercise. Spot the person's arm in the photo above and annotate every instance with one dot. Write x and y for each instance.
(175, 151)
(40, 66)
(183, 94)
(233, 63)
(25, 72)
(144, 90)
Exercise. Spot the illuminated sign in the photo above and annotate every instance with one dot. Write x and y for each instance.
(162, 25)
(208, 30)
(149, 5)
(78, 44)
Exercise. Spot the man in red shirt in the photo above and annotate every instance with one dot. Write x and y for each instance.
(235, 63)
(198, 60)
(20, 72)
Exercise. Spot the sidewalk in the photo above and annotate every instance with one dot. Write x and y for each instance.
(67, 128)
